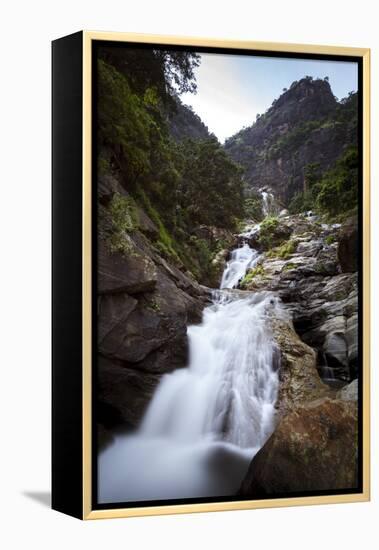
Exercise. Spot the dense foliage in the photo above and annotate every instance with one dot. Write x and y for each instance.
(180, 184)
(253, 207)
(333, 193)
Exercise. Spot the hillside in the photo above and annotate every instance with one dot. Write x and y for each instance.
(184, 123)
(305, 130)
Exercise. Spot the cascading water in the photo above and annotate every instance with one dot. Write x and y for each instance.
(205, 422)
(241, 259)
(267, 202)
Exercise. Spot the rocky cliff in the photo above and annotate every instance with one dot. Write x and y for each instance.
(314, 446)
(144, 307)
(308, 264)
(305, 126)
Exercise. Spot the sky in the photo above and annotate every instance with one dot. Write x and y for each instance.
(232, 89)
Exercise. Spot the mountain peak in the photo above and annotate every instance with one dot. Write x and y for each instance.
(304, 125)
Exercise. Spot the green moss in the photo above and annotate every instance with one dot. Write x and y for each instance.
(330, 239)
(251, 274)
(288, 266)
(153, 304)
(284, 251)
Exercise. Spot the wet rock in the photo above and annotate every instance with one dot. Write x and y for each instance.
(348, 246)
(218, 266)
(314, 448)
(123, 393)
(322, 300)
(352, 344)
(335, 348)
(349, 392)
(299, 380)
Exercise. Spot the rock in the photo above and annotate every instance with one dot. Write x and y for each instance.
(144, 307)
(351, 336)
(146, 225)
(299, 380)
(283, 213)
(113, 311)
(335, 348)
(309, 248)
(123, 393)
(218, 265)
(322, 301)
(349, 392)
(133, 274)
(313, 448)
(348, 246)
(214, 235)
(272, 151)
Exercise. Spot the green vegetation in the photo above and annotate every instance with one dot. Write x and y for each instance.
(153, 304)
(333, 194)
(267, 231)
(292, 140)
(253, 206)
(288, 266)
(272, 234)
(179, 184)
(330, 239)
(338, 187)
(124, 218)
(251, 274)
(284, 251)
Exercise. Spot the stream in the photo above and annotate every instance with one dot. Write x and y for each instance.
(205, 422)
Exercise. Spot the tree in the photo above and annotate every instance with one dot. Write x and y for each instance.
(166, 71)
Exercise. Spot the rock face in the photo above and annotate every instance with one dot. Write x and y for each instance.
(306, 273)
(305, 125)
(299, 380)
(348, 247)
(313, 448)
(144, 308)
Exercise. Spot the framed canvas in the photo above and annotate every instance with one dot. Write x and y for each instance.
(210, 275)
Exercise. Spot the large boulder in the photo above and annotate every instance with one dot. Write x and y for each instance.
(299, 380)
(314, 448)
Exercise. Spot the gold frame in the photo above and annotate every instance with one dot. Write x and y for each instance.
(88, 513)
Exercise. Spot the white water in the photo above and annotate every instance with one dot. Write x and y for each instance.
(267, 202)
(205, 422)
(241, 259)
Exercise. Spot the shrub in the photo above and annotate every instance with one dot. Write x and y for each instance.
(124, 218)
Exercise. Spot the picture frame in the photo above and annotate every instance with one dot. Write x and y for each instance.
(75, 176)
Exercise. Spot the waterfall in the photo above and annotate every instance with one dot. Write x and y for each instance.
(205, 422)
(268, 206)
(241, 259)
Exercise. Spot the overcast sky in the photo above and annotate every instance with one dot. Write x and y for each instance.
(233, 89)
